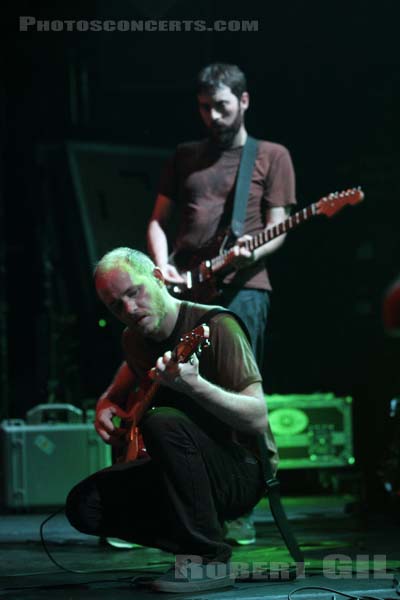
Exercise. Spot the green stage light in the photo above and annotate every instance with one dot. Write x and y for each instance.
(102, 323)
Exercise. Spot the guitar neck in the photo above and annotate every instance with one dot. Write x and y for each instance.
(276, 230)
(141, 400)
(271, 233)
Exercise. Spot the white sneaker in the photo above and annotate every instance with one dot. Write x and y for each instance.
(118, 543)
(241, 531)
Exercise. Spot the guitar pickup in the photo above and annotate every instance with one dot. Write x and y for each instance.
(205, 270)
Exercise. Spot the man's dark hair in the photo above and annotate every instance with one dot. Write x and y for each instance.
(213, 76)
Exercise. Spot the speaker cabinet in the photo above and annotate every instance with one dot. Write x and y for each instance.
(115, 188)
(312, 431)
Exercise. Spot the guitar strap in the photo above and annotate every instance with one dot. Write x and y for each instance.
(274, 497)
(271, 482)
(241, 197)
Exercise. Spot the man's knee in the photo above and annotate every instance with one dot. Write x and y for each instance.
(164, 426)
(80, 508)
(163, 418)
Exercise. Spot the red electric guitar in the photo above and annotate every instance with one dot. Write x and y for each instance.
(132, 446)
(203, 271)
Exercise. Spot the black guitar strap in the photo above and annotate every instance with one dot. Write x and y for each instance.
(271, 482)
(246, 167)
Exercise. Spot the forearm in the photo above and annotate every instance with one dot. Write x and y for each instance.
(122, 384)
(274, 216)
(269, 248)
(157, 243)
(245, 411)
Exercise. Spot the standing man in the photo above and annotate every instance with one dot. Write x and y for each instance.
(198, 185)
(201, 435)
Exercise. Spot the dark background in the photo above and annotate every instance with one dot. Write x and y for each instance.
(323, 80)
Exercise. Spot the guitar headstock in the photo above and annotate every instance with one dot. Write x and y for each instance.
(330, 205)
(191, 342)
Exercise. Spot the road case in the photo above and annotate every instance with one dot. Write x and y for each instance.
(41, 462)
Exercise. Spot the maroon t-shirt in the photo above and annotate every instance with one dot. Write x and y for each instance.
(200, 179)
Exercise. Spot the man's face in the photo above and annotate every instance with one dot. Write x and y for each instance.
(135, 299)
(222, 113)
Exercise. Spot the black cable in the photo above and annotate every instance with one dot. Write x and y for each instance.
(64, 585)
(53, 560)
(322, 571)
(76, 571)
(135, 577)
(316, 587)
(326, 589)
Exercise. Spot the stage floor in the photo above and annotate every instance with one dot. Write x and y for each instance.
(324, 526)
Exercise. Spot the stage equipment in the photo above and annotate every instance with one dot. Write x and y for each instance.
(312, 430)
(95, 197)
(44, 456)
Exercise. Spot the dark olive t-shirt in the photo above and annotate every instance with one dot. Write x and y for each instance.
(228, 363)
(201, 181)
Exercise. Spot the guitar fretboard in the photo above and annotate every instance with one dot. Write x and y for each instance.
(269, 234)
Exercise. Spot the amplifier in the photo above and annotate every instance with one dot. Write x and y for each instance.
(312, 430)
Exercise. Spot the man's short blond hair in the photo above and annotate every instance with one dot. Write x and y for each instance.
(139, 261)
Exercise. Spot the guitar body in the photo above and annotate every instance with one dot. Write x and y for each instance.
(195, 267)
(132, 444)
(185, 260)
(135, 447)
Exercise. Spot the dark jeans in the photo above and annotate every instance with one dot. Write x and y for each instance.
(178, 500)
(252, 307)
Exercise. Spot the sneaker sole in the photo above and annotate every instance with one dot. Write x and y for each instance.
(192, 586)
(241, 542)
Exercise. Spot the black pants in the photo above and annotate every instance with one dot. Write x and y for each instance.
(177, 500)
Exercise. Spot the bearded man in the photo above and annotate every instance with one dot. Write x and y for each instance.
(196, 192)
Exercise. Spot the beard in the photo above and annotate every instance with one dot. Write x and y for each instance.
(223, 136)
